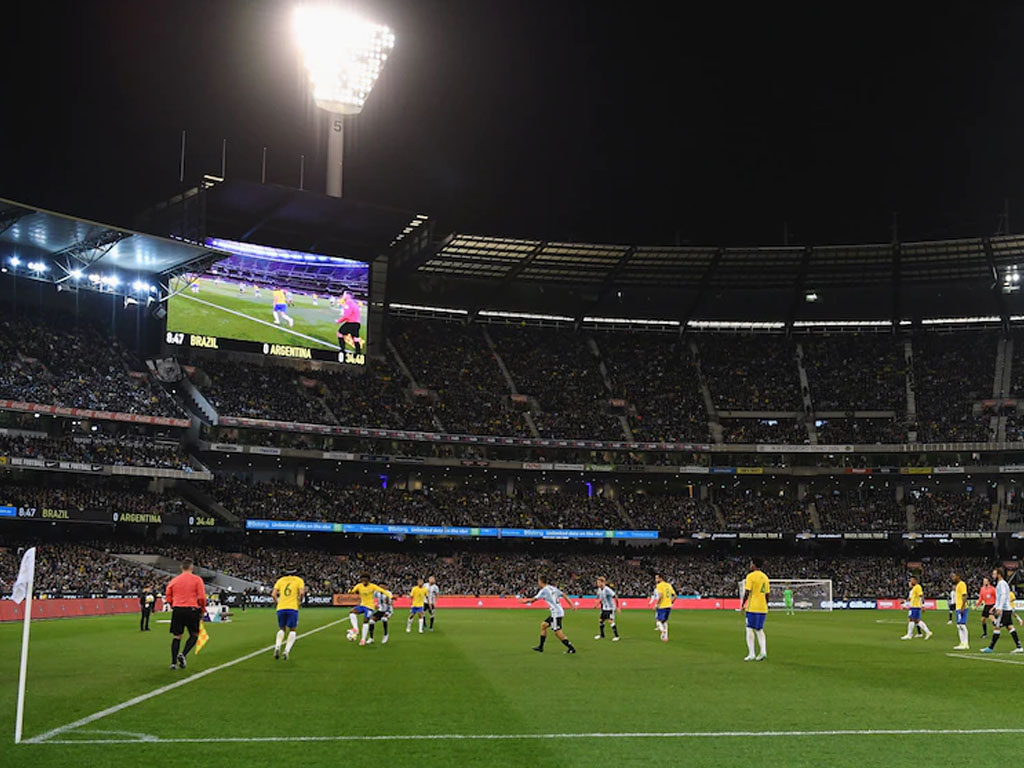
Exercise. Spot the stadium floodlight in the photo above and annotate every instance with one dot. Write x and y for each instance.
(76, 274)
(15, 261)
(37, 266)
(344, 55)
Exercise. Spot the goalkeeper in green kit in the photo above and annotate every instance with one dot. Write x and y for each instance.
(787, 596)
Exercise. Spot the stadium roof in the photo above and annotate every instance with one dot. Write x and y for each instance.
(282, 217)
(63, 244)
(481, 257)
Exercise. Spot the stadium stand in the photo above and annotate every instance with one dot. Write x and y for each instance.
(58, 360)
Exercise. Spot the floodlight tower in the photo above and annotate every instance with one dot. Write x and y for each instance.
(344, 55)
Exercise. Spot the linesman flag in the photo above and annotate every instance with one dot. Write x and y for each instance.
(25, 575)
(203, 637)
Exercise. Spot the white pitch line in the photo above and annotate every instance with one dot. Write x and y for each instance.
(522, 736)
(264, 322)
(43, 737)
(986, 657)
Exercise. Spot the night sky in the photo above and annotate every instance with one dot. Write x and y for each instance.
(652, 123)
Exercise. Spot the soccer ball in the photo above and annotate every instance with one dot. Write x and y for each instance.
(352, 634)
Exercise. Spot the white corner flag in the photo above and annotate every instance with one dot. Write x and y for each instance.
(26, 575)
(23, 592)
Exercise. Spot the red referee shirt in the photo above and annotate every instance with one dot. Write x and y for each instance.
(186, 591)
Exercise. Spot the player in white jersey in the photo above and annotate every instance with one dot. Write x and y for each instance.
(1003, 613)
(609, 604)
(383, 613)
(553, 596)
(432, 594)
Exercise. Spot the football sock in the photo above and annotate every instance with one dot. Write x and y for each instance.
(615, 629)
(355, 621)
(366, 628)
(995, 638)
(910, 629)
(372, 625)
(543, 639)
(567, 644)
(279, 639)
(290, 643)
(984, 629)
(175, 647)
(1016, 640)
(190, 644)
(750, 641)
(385, 628)
(431, 621)
(421, 623)
(763, 641)
(923, 627)
(408, 623)
(962, 631)
(600, 627)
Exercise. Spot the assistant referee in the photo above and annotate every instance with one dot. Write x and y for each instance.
(186, 594)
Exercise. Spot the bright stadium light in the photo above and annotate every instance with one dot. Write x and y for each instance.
(37, 266)
(76, 274)
(15, 261)
(344, 55)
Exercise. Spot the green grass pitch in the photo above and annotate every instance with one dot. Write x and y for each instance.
(476, 675)
(220, 310)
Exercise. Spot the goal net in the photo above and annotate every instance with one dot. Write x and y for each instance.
(808, 594)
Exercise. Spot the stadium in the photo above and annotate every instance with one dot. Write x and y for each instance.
(496, 496)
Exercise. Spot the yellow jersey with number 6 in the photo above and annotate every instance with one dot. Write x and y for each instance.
(288, 589)
(758, 586)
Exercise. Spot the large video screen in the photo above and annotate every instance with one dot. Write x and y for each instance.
(273, 301)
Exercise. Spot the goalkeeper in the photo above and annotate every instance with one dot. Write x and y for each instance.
(787, 598)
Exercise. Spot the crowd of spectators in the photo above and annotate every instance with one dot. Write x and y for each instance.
(262, 392)
(950, 511)
(655, 374)
(860, 510)
(847, 373)
(76, 569)
(669, 512)
(558, 370)
(379, 397)
(861, 431)
(751, 373)
(454, 361)
(135, 451)
(951, 372)
(748, 510)
(54, 360)
(775, 431)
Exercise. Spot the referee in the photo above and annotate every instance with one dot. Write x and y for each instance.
(186, 594)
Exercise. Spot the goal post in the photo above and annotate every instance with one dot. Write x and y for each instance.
(808, 594)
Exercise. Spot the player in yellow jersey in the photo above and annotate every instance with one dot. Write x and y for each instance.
(366, 607)
(281, 308)
(915, 602)
(419, 601)
(960, 605)
(755, 603)
(664, 595)
(288, 592)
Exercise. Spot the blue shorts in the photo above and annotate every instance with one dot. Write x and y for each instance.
(662, 614)
(915, 614)
(287, 618)
(755, 620)
(280, 307)
(961, 616)
(414, 610)
(367, 612)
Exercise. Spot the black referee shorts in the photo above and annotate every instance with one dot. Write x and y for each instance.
(185, 618)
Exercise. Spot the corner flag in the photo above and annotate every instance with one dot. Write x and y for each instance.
(26, 575)
(203, 637)
(23, 592)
